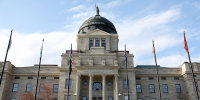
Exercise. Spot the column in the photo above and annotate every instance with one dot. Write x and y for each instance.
(78, 86)
(116, 87)
(104, 87)
(90, 86)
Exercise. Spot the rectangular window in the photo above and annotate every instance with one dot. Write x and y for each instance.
(110, 98)
(138, 78)
(176, 78)
(84, 98)
(103, 43)
(30, 77)
(56, 77)
(97, 42)
(39, 98)
(125, 97)
(165, 88)
(54, 99)
(13, 99)
(67, 98)
(163, 78)
(55, 88)
(151, 88)
(125, 84)
(138, 88)
(15, 87)
(43, 77)
(17, 77)
(41, 89)
(66, 84)
(150, 78)
(91, 43)
(28, 87)
(166, 99)
(178, 88)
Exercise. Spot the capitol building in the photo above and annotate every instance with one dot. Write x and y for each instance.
(99, 72)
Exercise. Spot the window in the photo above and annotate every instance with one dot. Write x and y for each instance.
(67, 98)
(165, 88)
(97, 42)
(163, 78)
(13, 99)
(30, 77)
(125, 97)
(109, 83)
(55, 88)
(178, 88)
(85, 83)
(66, 84)
(152, 99)
(138, 88)
(84, 98)
(15, 87)
(151, 88)
(17, 77)
(139, 99)
(138, 78)
(54, 99)
(41, 89)
(179, 99)
(91, 43)
(56, 77)
(103, 43)
(97, 86)
(166, 99)
(110, 98)
(176, 78)
(150, 78)
(39, 98)
(28, 87)
(125, 84)
(43, 77)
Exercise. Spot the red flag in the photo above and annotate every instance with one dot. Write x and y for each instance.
(153, 49)
(185, 43)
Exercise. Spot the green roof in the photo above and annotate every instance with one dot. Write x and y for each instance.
(147, 66)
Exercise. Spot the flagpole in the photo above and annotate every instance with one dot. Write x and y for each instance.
(39, 70)
(127, 81)
(70, 69)
(160, 95)
(3, 67)
(191, 67)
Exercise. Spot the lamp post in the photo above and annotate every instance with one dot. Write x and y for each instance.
(119, 95)
(75, 94)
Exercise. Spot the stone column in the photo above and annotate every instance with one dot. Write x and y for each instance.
(116, 87)
(78, 86)
(104, 87)
(90, 86)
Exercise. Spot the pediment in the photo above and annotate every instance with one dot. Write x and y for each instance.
(98, 32)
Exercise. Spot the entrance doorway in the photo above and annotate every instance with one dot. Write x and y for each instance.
(97, 98)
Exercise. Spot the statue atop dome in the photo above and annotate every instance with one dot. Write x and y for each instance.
(97, 10)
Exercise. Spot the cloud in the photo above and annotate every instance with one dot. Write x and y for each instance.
(25, 49)
(115, 3)
(196, 5)
(77, 8)
(139, 33)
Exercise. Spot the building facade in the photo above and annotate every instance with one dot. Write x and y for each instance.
(99, 72)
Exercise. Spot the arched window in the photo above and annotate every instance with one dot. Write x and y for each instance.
(97, 86)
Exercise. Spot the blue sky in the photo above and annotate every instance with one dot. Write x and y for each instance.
(137, 23)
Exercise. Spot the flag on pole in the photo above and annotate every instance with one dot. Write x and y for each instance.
(10, 41)
(153, 49)
(3, 67)
(71, 61)
(185, 43)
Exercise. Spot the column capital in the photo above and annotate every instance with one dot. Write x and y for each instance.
(91, 75)
(104, 75)
(116, 75)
